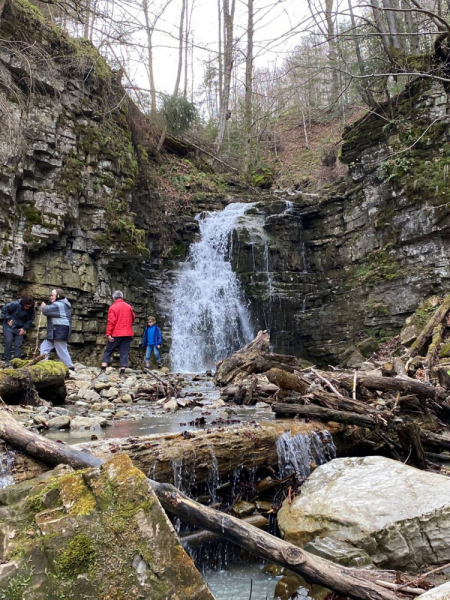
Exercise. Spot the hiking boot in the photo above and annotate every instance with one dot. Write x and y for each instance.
(147, 365)
(7, 364)
(159, 365)
(122, 375)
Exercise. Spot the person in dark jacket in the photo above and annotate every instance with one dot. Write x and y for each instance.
(119, 332)
(18, 317)
(152, 340)
(59, 326)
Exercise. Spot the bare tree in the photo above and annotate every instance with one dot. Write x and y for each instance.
(228, 19)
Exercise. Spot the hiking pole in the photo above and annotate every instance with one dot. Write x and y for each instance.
(37, 334)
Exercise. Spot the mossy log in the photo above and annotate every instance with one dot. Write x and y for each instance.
(248, 445)
(437, 317)
(356, 583)
(47, 377)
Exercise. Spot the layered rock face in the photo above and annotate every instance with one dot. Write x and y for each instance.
(328, 274)
(77, 211)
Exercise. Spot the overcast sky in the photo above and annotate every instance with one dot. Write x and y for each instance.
(273, 19)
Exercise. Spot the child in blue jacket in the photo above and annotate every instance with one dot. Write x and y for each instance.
(152, 340)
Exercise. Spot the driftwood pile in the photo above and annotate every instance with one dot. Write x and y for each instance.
(400, 405)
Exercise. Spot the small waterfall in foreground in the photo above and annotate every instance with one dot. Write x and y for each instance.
(210, 318)
(6, 469)
(299, 454)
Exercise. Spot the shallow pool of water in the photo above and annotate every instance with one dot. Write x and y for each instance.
(240, 582)
(162, 423)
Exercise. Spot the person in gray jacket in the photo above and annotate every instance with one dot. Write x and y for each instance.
(59, 326)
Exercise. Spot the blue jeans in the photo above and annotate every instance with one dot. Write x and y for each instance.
(148, 353)
(12, 337)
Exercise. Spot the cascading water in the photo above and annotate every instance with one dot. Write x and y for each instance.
(210, 318)
(297, 453)
(6, 469)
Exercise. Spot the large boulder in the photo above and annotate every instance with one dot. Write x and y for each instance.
(442, 592)
(372, 509)
(97, 533)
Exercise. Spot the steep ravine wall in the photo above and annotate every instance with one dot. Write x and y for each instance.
(376, 245)
(78, 209)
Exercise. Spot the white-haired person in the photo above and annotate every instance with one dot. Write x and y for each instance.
(59, 326)
(119, 332)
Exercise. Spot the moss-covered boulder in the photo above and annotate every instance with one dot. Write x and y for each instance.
(97, 533)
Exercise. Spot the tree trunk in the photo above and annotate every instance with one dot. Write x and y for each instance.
(180, 50)
(198, 452)
(228, 18)
(388, 384)
(248, 113)
(310, 411)
(201, 538)
(151, 77)
(356, 583)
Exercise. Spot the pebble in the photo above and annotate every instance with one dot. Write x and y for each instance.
(59, 422)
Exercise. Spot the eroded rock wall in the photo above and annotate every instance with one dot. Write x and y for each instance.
(344, 269)
(76, 208)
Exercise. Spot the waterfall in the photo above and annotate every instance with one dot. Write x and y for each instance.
(210, 318)
(299, 453)
(7, 461)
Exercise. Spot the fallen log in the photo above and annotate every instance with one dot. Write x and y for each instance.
(249, 445)
(356, 583)
(310, 411)
(391, 384)
(433, 321)
(201, 538)
(46, 377)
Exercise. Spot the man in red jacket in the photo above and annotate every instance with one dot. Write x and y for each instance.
(119, 332)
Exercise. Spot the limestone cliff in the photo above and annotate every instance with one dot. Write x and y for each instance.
(77, 209)
(344, 269)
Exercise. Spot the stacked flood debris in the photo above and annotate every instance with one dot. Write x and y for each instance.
(399, 400)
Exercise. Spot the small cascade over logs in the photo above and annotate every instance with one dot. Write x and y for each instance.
(299, 454)
(6, 469)
(210, 318)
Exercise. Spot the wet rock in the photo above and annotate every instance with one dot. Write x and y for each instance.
(60, 411)
(243, 508)
(78, 423)
(102, 385)
(287, 586)
(126, 398)
(89, 395)
(171, 405)
(112, 392)
(93, 536)
(273, 569)
(442, 592)
(263, 506)
(62, 422)
(120, 414)
(354, 501)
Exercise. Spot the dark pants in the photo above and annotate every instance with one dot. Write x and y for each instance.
(11, 336)
(123, 343)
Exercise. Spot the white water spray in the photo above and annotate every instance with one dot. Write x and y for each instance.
(210, 318)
